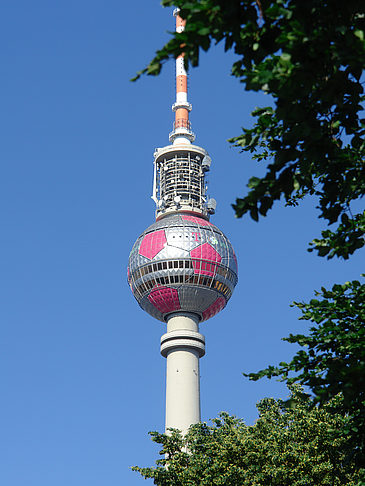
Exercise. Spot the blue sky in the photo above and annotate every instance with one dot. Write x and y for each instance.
(81, 375)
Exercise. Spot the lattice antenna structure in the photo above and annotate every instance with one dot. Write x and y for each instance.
(180, 169)
(182, 269)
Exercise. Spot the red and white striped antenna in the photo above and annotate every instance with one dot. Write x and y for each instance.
(182, 132)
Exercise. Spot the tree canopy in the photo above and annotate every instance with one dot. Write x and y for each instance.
(288, 446)
(332, 357)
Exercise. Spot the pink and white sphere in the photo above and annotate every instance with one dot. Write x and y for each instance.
(182, 263)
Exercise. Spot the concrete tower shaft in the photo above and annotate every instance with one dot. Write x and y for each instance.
(182, 346)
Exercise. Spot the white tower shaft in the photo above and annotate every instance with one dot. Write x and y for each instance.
(182, 346)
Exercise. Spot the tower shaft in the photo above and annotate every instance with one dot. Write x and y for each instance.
(182, 346)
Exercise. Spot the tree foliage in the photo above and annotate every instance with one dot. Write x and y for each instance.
(309, 56)
(332, 356)
(287, 446)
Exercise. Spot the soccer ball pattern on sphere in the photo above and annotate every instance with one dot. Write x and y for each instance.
(182, 263)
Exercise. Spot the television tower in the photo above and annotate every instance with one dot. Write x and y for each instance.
(182, 270)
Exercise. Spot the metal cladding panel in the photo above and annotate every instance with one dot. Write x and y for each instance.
(196, 299)
(213, 309)
(182, 237)
(182, 263)
(135, 259)
(165, 299)
(171, 252)
(152, 243)
(147, 306)
(196, 220)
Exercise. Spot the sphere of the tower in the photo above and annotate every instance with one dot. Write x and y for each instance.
(182, 263)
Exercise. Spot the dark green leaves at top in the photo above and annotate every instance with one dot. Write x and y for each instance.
(344, 241)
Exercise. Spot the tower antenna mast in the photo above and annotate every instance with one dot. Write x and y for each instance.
(182, 128)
